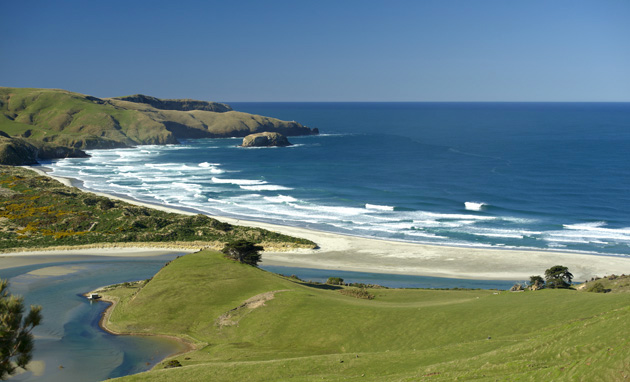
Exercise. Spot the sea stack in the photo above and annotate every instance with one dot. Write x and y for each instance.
(265, 139)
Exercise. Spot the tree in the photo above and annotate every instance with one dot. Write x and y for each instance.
(334, 281)
(558, 277)
(244, 251)
(536, 282)
(16, 340)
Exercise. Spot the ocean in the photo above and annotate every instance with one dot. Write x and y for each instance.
(551, 176)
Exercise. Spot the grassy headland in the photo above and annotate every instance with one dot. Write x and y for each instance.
(38, 212)
(56, 123)
(252, 325)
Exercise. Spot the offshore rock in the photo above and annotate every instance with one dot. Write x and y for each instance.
(265, 139)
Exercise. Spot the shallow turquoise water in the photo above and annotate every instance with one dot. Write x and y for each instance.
(69, 342)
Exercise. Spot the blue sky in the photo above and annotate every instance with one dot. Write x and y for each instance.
(444, 50)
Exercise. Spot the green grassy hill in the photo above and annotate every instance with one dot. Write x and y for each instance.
(252, 325)
(59, 118)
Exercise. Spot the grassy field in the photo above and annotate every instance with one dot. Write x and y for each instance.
(38, 212)
(252, 325)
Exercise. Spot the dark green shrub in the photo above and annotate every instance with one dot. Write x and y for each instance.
(536, 282)
(558, 277)
(334, 281)
(598, 288)
(106, 204)
(172, 363)
(357, 293)
(243, 251)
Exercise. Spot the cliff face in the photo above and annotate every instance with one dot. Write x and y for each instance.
(20, 152)
(50, 119)
(17, 152)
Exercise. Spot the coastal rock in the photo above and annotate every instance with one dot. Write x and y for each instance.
(46, 151)
(19, 152)
(265, 139)
(16, 151)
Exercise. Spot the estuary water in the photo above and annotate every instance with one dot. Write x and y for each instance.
(69, 344)
(71, 347)
(551, 176)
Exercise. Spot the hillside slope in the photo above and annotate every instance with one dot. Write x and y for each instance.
(59, 118)
(252, 325)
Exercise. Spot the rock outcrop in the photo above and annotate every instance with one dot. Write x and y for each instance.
(20, 152)
(266, 139)
(16, 152)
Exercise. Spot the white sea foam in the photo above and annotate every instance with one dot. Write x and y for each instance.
(265, 187)
(594, 232)
(192, 187)
(239, 182)
(458, 216)
(339, 210)
(424, 234)
(207, 164)
(171, 167)
(497, 234)
(280, 199)
(378, 207)
(474, 206)
(597, 227)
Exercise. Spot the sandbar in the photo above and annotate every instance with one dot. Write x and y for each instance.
(354, 253)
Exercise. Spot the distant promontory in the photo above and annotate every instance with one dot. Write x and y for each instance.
(52, 123)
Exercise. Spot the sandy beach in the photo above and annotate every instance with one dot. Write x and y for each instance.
(352, 253)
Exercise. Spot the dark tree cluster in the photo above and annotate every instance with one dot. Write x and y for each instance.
(243, 251)
(556, 277)
(16, 339)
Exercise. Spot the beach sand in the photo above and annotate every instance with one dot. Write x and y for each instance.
(353, 253)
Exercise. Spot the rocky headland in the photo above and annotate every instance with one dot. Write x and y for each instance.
(52, 123)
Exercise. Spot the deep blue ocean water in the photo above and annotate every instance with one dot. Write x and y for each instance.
(528, 175)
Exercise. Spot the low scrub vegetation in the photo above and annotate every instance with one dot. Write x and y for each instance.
(357, 293)
(37, 211)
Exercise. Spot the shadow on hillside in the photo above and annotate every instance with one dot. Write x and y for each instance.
(322, 286)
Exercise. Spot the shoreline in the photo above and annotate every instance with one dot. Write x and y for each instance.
(102, 323)
(353, 253)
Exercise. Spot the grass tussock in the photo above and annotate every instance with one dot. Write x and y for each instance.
(357, 293)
